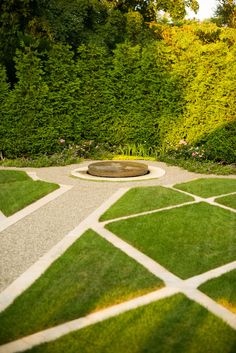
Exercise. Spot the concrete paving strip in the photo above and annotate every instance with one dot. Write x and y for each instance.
(147, 212)
(152, 266)
(70, 326)
(8, 295)
(2, 217)
(219, 196)
(222, 206)
(7, 222)
(33, 175)
(212, 306)
(196, 281)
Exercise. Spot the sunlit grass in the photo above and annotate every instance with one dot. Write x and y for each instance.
(187, 240)
(16, 195)
(173, 325)
(91, 275)
(229, 201)
(222, 289)
(144, 199)
(208, 187)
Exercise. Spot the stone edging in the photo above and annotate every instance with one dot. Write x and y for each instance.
(6, 222)
(154, 172)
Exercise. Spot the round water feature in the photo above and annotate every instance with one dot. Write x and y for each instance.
(117, 169)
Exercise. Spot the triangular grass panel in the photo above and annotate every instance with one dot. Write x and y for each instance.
(188, 240)
(18, 194)
(229, 201)
(91, 275)
(10, 176)
(208, 187)
(222, 289)
(143, 199)
(172, 325)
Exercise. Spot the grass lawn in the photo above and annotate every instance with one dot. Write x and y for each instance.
(172, 325)
(91, 275)
(208, 187)
(229, 201)
(10, 176)
(222, 289)
(187, 241)
(144, 199)
(18, 190)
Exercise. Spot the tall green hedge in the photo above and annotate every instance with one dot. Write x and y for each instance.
(178, 86)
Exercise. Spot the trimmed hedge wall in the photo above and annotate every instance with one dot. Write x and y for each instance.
(178, 87)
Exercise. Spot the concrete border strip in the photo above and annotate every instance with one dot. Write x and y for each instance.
(51, 334)
(212, 306)
(8, 221)
(2, 217)
(35, 271)
(33, 175)
(213, 203)
(219, 196)
(147, 212)
(196, 281)
(151, 265)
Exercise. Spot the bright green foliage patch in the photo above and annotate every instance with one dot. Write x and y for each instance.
(17, 191)
(172, 325)
(208, 187)
(187, 241)
(91, 275)
(222, 289)
(144, 199)
(229, 201)
(10, 176)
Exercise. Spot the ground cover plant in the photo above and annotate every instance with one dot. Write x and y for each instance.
(222, 289)
(144, 199)
(229, 201)
(18, 190)
(91, 275)
(172, 325)
(186, 240)
(208, 187)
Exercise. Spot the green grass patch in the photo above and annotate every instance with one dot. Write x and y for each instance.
(222, 289)
(229, 201)
(144, 199)
(208, 187)
(91, 275)
(172, 325)
(11, 176)
(188, 240)
(16, 195)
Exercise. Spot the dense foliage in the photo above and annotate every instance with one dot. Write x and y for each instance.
(104, 71)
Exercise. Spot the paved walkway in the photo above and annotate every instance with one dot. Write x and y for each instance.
(23, 243)
(173, 283)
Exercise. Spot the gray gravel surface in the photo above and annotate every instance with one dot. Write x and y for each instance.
(23, 243)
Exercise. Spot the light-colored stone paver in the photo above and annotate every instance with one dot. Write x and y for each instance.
(36, 270)
(24, 242)
(211, 306)
(147, 212)
(196, 281)
(8, 221)
(58, 331)
(151, 265)
(2, 217)
(174, 283)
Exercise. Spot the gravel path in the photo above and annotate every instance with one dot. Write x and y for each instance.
(23, 243)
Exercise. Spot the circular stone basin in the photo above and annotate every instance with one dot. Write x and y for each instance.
(117, 169)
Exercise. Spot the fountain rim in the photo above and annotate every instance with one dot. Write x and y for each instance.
(154, 173)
